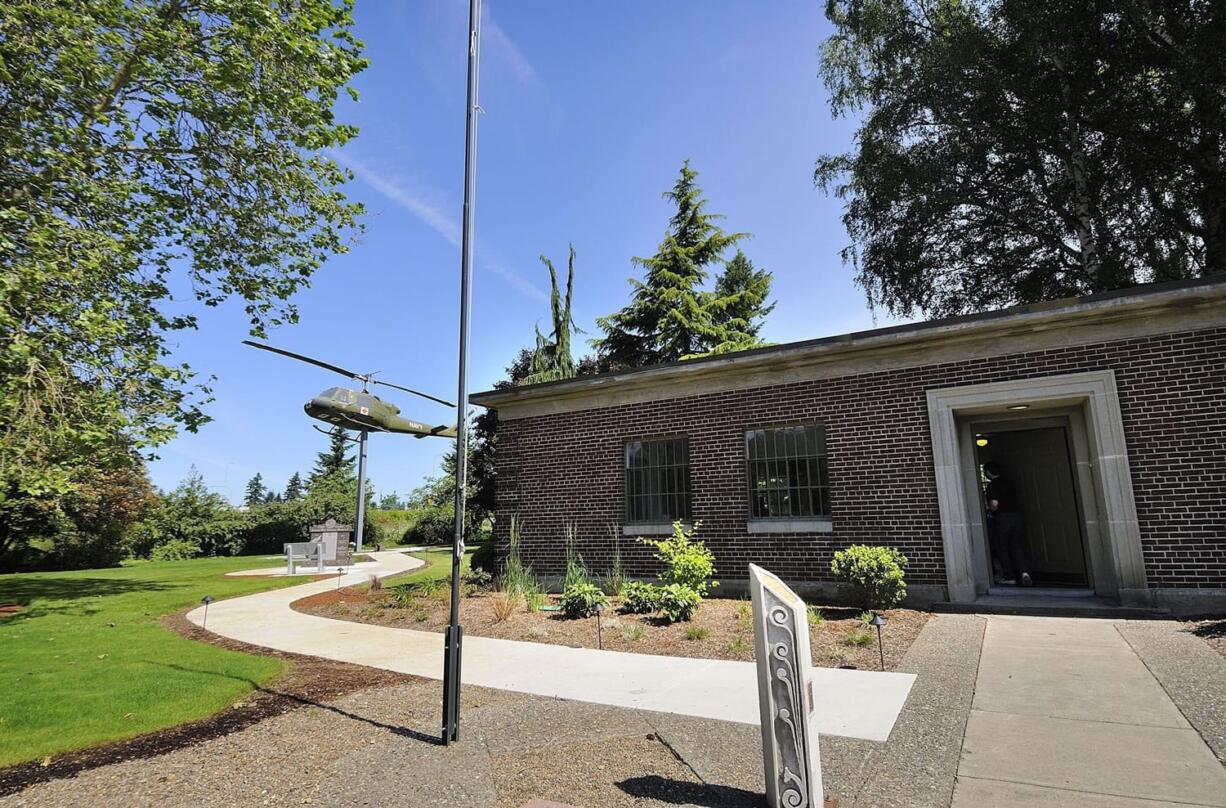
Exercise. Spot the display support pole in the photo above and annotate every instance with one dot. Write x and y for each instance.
(360, 528)
(455, 634)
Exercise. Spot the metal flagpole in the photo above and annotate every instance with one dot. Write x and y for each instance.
(455, 634)
(360, 528)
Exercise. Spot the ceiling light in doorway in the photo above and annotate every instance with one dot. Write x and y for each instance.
(981, 441)
(1020, 407)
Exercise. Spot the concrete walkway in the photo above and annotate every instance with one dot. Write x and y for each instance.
(1066, 714)
(851, 703)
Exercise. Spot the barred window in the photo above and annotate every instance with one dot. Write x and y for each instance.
(786, 470)
(657, 480)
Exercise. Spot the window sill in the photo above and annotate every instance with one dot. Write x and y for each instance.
(790, 526)
(652, 529)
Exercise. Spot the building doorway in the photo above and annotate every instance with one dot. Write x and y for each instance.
(1037, 459)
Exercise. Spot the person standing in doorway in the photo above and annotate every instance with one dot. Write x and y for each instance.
(1005, 520)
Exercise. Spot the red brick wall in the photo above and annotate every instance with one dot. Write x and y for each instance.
(556, 469)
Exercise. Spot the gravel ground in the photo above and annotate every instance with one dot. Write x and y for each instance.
(377, 747)
(723, 626)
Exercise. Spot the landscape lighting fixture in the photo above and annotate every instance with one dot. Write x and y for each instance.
(879, 621)
(206, 600)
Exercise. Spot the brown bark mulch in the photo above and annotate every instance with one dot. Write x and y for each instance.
(720, 629)
(306, 682)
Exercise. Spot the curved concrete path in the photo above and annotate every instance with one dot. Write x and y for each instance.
(851, 703)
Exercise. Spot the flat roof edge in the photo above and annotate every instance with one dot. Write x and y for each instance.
(1162, 295)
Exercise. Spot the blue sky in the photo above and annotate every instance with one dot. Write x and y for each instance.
(589, 110)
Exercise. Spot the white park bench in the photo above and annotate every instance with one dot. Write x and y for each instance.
(305, 551)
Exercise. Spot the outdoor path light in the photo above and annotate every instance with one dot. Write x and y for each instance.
(206, 600)
(599, 638)
(879, 621)
(340, 573)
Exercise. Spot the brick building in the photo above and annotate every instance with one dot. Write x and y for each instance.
(1108, 413)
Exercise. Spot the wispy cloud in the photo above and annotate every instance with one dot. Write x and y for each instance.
(413, 201)
(505, 49)
(420, 204)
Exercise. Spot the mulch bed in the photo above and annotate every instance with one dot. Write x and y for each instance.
(307, 681)
(720, 629)
(1213, 632)
(7, 609)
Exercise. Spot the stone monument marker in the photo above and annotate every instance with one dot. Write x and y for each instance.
(335, 539)
(785, 693)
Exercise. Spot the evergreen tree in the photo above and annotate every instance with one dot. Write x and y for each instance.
(738, 305)
(336, 463)
(294, 488)
(552, 359)
(669, 317)
(271, 496)
(256, 492)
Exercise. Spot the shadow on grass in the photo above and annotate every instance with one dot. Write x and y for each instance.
(680, 792)
(51, 595)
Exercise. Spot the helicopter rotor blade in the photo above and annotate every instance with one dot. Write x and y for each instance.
(307, 359)
(414, 392)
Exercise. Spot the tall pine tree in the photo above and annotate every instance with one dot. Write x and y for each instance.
(669, 317)
(255, 490)
(294, 488)
(336, 464)
(738, 305)
(552, 359)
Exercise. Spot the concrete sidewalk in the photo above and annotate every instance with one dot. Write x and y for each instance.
(1066, 714)
(851, 703)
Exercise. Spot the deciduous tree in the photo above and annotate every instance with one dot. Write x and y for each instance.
(1012, 151)
(153, 153)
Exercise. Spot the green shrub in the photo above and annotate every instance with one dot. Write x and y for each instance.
(391, 524)
(875, 573)
(474, 580)
(534, 600)
(435, 526)
(687, 562)
(640, 598)
(582, 600)
(815, 616)
(697, 632)
(678, 602)
(175, 550)
(485, 557)
(857, 638)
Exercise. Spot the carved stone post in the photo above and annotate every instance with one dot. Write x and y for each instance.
(785, 693)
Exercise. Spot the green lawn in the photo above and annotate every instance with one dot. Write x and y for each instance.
(86, 661)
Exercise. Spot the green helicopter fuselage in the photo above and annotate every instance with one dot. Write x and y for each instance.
(353, 409)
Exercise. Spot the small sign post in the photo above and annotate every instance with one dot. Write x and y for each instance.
(785, 693)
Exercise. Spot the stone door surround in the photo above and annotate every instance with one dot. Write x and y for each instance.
(1095, 392)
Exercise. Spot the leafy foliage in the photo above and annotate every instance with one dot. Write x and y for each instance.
(687, 561)
(175, 550)
(678, 602)
(1013, 151)
(150, 152)
(669, 316)
(582, 600)
(875, 573)
(640, 597)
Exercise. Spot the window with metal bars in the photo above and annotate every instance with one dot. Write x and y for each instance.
(657, 480)
(786, 470)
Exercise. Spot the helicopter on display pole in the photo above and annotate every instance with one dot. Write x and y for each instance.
(363, 412)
